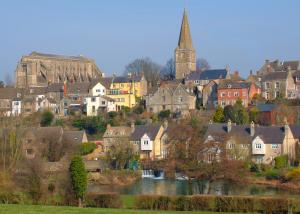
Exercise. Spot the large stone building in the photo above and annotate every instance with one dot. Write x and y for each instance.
(185, 55)
(37, 69)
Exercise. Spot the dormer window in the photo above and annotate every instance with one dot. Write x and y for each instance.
(229, 86)
(258, 146)
(146, 142)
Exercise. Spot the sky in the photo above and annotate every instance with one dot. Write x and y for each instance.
(240, 34)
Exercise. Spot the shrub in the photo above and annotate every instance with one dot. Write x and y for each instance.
(254, 167)
(276, 205)
(139, 110)
(153, 202)
(294, 174)
(164, 114)
(272, 174)
(47, 118)
(106, 200)
(87, 148)
(281, 161)
(196, 202)
(234, 204)
(112, 114)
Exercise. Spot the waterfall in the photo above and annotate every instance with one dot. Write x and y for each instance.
(147, 173)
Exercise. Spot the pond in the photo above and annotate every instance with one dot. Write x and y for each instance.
(183, 187)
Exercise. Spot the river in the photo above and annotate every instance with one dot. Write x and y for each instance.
(182, 187)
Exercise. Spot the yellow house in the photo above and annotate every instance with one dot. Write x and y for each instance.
(136, 85)
(122, 98)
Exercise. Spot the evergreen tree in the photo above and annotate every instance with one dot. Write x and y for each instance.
(219, 115)
(78, 178)
(47, 118)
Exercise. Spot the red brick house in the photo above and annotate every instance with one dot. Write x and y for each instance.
(230, 91)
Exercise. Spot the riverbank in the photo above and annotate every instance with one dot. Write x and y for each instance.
(291, 186)
(113, 177)
(37, 209)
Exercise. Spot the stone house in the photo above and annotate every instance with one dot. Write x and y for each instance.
(259, 143)
(210, 95)
(35, 141)
(7, 96)
(117, 134)
(170, 96)
(277, 85)
(148, 140)
(278, 66)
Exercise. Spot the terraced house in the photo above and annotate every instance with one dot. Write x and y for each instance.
(259, 143)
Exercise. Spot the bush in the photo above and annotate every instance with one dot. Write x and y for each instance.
(153, 202)
(272, 174)
(106, 200)
(197, 202)
(87, 148)
(281, 161)
(47, 118)
(164, 114)
(254, 167)
(276, 205)
(294, 174)
(234, 204)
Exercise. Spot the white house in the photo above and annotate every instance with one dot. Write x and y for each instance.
(97, 104)
(16, 107)
(98, 90)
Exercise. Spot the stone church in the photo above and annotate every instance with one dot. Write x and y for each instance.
(185, 55)
(38, 70)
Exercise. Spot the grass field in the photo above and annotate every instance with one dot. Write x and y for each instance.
(35, 209)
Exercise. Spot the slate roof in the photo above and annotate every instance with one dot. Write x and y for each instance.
(37, 54)
(150, 129)
(280, 75)
(125, 79)
(283, 66)
(233, 84)
(73, 136)
(295, 130)
(269, 134)
(78, 88)
(208, 74)
(117, 131)
(266, 107)
(9, 93)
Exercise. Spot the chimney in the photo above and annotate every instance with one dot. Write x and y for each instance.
(165, 124)
(65, 89)
(252, 129)
(229, 126)
(286, 126)
(132, 126)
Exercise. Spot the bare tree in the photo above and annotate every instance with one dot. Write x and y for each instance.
(8, 79)
(168, 72)
(150, 69)
(202, 64)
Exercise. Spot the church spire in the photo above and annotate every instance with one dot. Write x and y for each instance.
(185, 39)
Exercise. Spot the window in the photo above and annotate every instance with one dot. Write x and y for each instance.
(236, 94)
(275, 146)
(181, 99)
(93, 99)
(258, 146)
(297, 78)
(29, 140)
(164, 99)
(164, 107)
(103, 102)
(244, 146)
(267, 95)
(223, 103)
(223, 94)
(93, 109)
(267, 85)
(277, 94)
(276, 84)
(146, 142)
(231, 145)
(29, 151)
(229, 94)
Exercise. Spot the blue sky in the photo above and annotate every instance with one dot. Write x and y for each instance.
(241, 34)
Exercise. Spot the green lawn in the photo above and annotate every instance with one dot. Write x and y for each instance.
(34, 209)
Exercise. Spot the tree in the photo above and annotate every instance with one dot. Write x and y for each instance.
(47, 118)
(168, 72)
(8, 79)
(229, 113)
(121, 153)
(253, 114)
(2, 85)
(219, 115)
(78, 178)
(242, 116)
(202, 64)
(150, 69)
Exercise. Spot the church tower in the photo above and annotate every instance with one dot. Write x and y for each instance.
(185, 55)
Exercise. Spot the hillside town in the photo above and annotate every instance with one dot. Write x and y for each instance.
(190, 122)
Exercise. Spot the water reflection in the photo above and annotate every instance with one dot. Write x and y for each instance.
(183, 187)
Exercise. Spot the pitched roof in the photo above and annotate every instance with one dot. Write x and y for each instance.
(108, 98)
(117, 131)
(280, 75)
(185, 38)
(78, 88)
(150, 129)
(295, 130)
(9, 93)
(266, 107)
(73, 136)
(233, 84)
(207, 74)
(45, 55)
(269, 134)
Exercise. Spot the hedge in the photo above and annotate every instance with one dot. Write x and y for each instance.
(105, 200)
(240, 204)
